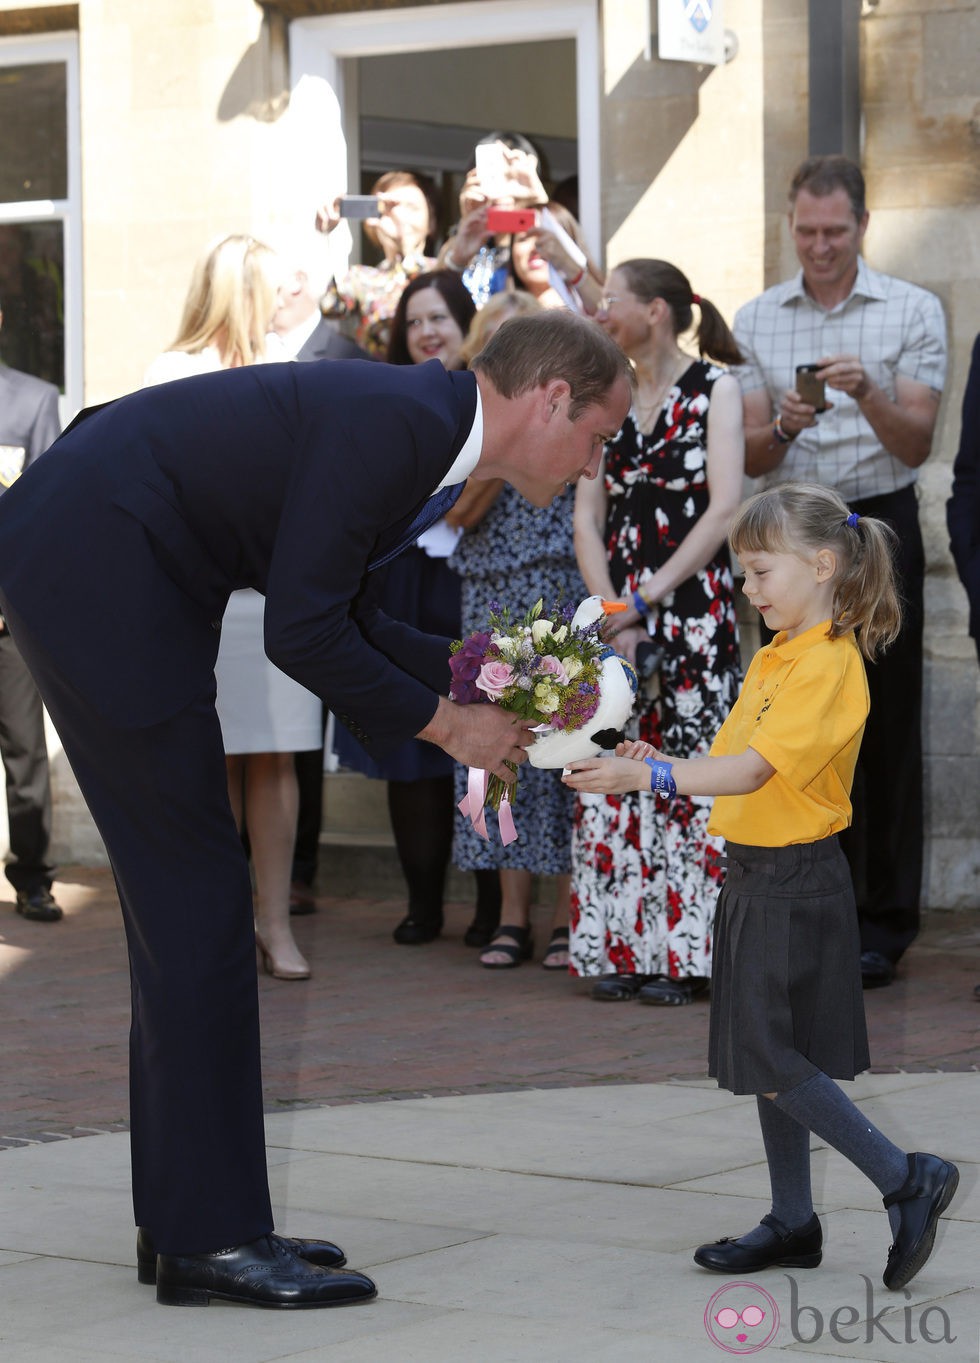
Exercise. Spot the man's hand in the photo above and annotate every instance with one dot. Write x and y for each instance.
(480, 736)
(846, 373)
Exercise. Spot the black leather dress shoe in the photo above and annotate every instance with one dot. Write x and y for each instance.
(265, 1272)
(322, 1252)
(38, 905)
(876, 970)
(801, 1248)
(922, 1199)
(669, 992)
(414, 932)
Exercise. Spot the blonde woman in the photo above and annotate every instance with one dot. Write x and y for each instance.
(265, 716)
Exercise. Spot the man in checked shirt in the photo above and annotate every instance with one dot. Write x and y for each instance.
(879, 345)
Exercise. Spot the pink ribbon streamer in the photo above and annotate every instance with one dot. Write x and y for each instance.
(471, 806)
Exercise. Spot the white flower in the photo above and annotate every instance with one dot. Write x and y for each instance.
(573, 666)
(541, 629)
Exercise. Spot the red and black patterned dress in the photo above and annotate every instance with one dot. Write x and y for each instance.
(646, 873)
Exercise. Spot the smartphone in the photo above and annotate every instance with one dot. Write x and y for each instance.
(360, 206)
(809, 387)
(511, 220)
(491, 168)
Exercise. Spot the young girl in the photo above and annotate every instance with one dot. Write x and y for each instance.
(787, 1014)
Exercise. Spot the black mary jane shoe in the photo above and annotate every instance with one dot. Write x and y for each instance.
(663, 990)
(415, 932)
(619, 988)
(922, 1199)
(801, 1248)
(520, 949)
(265, 1272)
(322, 1252)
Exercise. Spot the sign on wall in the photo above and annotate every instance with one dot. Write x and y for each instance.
(691, 31)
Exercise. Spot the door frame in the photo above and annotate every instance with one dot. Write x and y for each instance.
(320, 46)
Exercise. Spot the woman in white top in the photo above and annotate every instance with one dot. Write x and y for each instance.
(265, 716)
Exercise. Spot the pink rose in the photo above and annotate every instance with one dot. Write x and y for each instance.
(494, 678)
(551, 664)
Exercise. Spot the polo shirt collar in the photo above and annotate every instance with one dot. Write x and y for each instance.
(795, 648)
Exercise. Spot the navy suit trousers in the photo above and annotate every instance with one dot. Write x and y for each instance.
(159, 797)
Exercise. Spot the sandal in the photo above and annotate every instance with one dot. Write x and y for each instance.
(516, 951)
(557, 947)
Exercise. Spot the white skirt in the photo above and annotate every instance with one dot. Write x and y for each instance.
(260, 708)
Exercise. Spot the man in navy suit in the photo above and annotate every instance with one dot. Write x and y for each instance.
(297, 480)
(29, 422)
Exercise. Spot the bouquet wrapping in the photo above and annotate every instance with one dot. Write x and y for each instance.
(555, 671)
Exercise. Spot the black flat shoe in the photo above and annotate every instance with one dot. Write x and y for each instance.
(801, 1248)
(38, 905)
(876, 970)
(414, 932)
(922, 1199)
(620, 987)
(479, 934)
(667, 991)
(322, 1252)
(520, 949)
(265, 1272)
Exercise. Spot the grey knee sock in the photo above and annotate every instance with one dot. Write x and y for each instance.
(821, 1106)
(788, 1156)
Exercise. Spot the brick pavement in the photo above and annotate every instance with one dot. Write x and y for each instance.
(379, 1021)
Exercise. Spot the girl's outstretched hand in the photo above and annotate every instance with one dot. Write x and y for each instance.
(608, 775)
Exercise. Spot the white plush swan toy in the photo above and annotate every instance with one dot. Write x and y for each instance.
(558, 747)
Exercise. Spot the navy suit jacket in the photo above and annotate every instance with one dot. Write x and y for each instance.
(119, 547)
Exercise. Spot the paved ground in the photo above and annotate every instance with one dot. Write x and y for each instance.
(381, 1021)
(540, 1207)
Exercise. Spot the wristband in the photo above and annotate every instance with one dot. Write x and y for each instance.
(574, 283)
(449, 261)
(661, 778)
(640, 604)
(783, 437)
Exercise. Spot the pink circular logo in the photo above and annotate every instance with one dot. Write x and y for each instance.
(741, 1318)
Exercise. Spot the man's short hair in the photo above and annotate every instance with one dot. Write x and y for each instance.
(822, 175)
(530, 352)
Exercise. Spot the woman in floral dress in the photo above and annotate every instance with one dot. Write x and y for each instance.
(652, 529)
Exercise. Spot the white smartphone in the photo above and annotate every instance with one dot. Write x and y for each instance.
(491, 168)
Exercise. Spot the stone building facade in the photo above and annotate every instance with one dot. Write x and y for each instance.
(185, 120)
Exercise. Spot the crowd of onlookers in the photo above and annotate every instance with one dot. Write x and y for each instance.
(635, 880)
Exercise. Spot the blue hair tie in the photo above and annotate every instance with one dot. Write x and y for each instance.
(853, 519)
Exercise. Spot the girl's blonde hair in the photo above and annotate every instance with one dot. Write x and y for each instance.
(803, 518)
(230, 302)
(498, 308)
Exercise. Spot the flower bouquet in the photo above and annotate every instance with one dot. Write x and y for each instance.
(554, 671)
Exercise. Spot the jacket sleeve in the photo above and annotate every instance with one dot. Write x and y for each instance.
(353, 478)
(963, 507)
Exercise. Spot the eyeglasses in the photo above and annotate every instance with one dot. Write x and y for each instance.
(728, 1318)
(607, 300)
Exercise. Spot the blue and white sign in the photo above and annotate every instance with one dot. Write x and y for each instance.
(691, 31)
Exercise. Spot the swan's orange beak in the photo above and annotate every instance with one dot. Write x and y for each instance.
(612, 607)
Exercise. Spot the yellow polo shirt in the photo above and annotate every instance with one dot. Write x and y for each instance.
(802, 707)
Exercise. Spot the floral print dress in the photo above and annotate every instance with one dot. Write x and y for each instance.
(646, 873)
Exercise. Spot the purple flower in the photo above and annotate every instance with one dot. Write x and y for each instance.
(465, 665)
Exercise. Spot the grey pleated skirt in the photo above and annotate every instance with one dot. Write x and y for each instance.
(786, 996)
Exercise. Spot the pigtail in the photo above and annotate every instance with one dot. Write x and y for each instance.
(714, 335)
(866, 596)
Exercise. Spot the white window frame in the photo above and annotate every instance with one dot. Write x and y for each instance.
(320, 46)
(35, 50)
